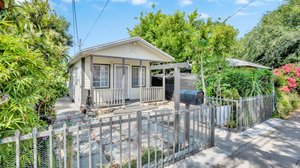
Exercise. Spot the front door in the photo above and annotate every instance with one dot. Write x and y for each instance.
(118, 79)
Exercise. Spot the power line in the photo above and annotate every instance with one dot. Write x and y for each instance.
(96, 20)
(243, 7)
(75, 17)
(75, 26)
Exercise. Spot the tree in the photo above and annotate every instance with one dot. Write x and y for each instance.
(42, 32)
(275, 41)
(183, 36)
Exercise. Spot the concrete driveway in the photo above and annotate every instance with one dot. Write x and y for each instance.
(279, 148)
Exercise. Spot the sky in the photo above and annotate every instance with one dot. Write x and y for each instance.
(120, 15)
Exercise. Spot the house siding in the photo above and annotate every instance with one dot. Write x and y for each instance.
(75, 82)
(134, 50)
(133, 92)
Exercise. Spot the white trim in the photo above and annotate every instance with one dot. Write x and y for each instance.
(108, 80)
(85, 52)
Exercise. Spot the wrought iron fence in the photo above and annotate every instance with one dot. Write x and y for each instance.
(148, 139)
(238, 115)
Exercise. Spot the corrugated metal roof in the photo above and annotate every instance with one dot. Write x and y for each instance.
(240, 63)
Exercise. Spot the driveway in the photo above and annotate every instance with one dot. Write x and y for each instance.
(279, 148)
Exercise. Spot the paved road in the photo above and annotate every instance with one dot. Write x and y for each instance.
(280, 148)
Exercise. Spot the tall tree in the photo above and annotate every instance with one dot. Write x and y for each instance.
(275, 41)
(185, 37)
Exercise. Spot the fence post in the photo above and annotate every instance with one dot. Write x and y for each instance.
(65, 144)
(90, 145)
(50, 146)
(34, 136)
(240, 118)
(212, 124)
(187, 124)
(139, 141)
(17, 148)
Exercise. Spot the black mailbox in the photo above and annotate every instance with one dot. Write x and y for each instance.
(191, 97)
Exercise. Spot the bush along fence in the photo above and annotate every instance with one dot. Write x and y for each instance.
(238, 115)
(148, 139)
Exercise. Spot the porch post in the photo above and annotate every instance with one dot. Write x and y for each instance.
(123, 82)
(92, 78)
(176, 96)
(141, 83)
(164, 84)
(176, 88)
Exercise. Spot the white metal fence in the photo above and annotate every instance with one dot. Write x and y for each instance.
(153, 139)
(242, 113)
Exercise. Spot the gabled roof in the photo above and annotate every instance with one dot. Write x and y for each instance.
(240, 63)
(85, 52)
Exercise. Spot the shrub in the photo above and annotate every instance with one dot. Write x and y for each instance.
(287, 82)
(239, 82)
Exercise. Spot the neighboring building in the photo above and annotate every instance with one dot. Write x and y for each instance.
(102, 70)
(240, 63)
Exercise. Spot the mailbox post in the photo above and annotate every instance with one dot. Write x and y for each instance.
(190, 97)
(176, 93)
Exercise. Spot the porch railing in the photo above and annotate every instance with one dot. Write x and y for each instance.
(107, 97)
(154, 139)
(152, 94)
(242, 113)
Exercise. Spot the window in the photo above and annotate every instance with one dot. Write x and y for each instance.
(135, 76)
(101, 76)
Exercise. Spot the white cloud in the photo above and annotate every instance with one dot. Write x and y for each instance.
(242, 1)
(186, 2)
(204, 15)
(138, 2)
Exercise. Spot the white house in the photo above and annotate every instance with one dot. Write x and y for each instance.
(112, 72)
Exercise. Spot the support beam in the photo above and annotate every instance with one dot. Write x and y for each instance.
(176, 93)
(164, 84)
(123, 82)
(92, 78)
(141, 83)
(171, 66)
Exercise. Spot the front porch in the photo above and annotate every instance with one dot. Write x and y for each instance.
(115, 96)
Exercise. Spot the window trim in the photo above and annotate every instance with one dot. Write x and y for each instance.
(137, 86)
(109, 77)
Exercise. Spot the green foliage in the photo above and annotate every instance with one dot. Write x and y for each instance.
(287, 82)
(34, 43)
(275, 40)
(286, 103)
(21, 75)
(180, 34)
(33, 73)
(186, 37)
(133, 162)
(240, 82)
